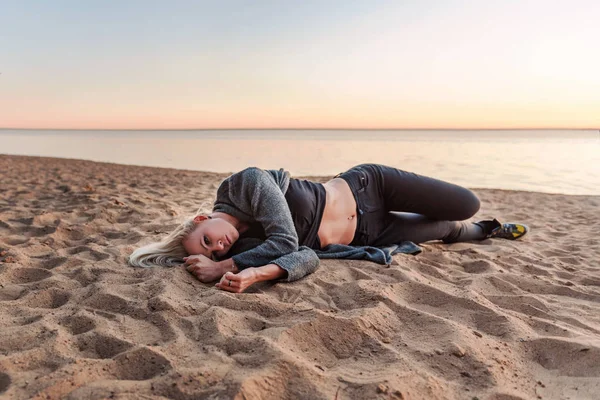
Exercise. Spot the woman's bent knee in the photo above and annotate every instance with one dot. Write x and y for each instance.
(465, 204)
(471, 204)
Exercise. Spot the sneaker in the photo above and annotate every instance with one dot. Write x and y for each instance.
(510, 231)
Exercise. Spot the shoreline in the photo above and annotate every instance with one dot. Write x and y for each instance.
(494, 319)
(225, 174)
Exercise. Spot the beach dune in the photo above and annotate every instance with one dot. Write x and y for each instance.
(498, 320)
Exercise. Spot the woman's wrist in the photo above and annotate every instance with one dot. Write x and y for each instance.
(269, 272)
(228, 266)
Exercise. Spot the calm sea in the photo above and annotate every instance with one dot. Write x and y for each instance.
(553, 161)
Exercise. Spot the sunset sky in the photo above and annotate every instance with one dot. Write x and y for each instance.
(299, 64)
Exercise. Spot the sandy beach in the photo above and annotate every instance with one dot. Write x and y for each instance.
(496, 319)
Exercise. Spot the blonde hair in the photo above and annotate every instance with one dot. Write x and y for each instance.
(169, 252)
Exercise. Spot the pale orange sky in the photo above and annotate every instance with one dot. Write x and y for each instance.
(361, 64)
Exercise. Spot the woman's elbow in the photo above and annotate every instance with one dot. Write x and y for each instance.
(291, 245)
(288, 244)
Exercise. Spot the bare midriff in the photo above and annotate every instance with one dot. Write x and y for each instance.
(338, 224)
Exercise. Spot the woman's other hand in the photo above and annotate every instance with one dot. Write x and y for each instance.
(239, 282)
(203, 268)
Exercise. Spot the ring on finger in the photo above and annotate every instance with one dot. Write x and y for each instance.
(230, 282)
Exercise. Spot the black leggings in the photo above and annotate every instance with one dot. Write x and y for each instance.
(395, 205)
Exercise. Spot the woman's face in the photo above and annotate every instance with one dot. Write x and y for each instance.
(211, 238)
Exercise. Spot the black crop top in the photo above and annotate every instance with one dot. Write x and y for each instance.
(306, 201)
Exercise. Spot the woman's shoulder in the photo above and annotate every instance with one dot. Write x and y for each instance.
(249, 180)
(246, 176)
(249, 172)
(255, 174)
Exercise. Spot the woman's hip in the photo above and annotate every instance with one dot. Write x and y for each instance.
(365, 182)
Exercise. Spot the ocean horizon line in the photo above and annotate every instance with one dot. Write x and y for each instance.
(299, 129)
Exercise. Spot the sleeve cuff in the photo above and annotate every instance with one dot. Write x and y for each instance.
(298, 264)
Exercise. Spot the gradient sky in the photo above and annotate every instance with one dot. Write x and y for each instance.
(300, 64)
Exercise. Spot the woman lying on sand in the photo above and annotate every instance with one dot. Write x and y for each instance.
(266, 225)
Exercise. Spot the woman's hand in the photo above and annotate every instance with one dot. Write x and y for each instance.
(239, 282)
(203, 268)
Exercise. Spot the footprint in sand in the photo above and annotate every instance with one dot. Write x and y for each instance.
(95, 345)
(570, 260)
(37, 231)
(590, 281)
(28, 275)
(78, 324)
(115, 304)
(493, 324)
(130, 237)
(503, 286)
(115, 235)
(327, 339)
(545, 328)
(535, 270)
(15, 240)
(569, 358)
(49, 298)
(358, 274)
(4, 382)
(24, 221)
(11, 292)
(477, 267)
(52, 262)
(89, 253)
(74, 234)
(140, 364)
(528, 305)
(22, 321)
(553, 253)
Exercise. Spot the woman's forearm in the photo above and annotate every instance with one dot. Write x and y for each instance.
(239, 282)
(269, 272)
